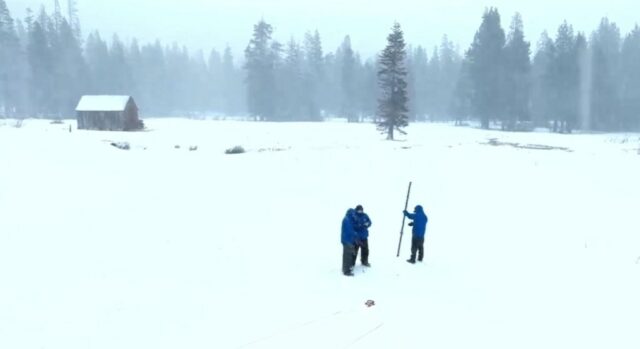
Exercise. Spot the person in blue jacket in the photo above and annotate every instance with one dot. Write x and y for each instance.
(419, 225)
(362, 235)
(348, 239)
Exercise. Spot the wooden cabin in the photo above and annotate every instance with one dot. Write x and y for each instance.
(108, 113)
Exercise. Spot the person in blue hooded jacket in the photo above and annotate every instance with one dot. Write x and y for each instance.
(419, 225)
(363, 222)
(348, 239)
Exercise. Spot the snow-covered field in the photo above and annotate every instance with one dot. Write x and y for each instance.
(158, 247)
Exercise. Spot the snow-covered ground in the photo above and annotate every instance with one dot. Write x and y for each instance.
(158, 247)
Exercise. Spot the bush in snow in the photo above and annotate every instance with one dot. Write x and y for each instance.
(121, 145)
(235, 150)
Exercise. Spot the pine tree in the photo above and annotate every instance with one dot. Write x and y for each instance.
(28, 20)
(22, 33)
(74, 20)
(10, 64)
(369, 88)
(119, 70)
(6, 21)
(331, 95)
(57, 15)
(198, 82)
(40, 61)
(7, 28)
(177, 87)
(450, 67)
(313, 75)
(295, 96)
(462, 101)
(605, 97)
(134, 62)
(70, 71)
(630, 85)
(418, 77)
(47, 23)
(348, 81)
(565, 80)
(517, 75)
(231, 78)
(97, 55)
(359, 93)
(277, 95)
(583, 78)
(441, 80)
(217, 83)
(433, 88)
(153, 81)
(486, 67)
(392, 106)
(542, 95)
(261, 56)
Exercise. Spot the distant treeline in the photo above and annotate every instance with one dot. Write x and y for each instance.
(572, 81)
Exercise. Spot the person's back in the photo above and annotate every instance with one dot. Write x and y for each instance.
(419, 224)
(349, 235)
(348, 239)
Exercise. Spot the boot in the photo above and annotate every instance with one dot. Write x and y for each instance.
(366, 264)
(411, 260)
(348, 273)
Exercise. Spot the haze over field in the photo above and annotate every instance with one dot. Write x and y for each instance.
(563, 66)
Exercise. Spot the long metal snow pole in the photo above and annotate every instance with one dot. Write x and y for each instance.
(406, 204)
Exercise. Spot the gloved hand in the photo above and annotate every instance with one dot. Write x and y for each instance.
(411, 224)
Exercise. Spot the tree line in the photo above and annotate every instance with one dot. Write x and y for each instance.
(572, 81)
(46, 66)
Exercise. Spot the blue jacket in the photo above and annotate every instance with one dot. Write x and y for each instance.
(419, 221)
(362, 226)
(349, 228)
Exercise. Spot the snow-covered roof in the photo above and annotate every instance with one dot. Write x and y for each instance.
(103, 103)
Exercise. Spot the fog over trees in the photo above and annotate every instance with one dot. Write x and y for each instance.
(567, 80)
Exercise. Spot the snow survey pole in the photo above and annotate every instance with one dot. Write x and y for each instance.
(403, 218)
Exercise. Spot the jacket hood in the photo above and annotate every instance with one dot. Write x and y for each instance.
(419, 209)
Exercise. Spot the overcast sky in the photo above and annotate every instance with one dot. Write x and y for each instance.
(206, 24)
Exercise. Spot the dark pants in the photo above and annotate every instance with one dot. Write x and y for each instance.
(364, 257)
(417, 245)
(348, 257)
